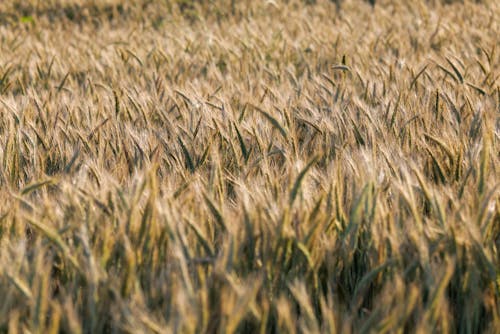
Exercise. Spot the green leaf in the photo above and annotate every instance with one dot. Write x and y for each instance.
(27, 19)
(298, 181)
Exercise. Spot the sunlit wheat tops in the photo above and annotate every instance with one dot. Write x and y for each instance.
(249, 166)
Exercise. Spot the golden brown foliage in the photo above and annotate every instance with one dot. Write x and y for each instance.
(274, 166)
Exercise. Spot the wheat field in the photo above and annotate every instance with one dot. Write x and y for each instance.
(249, 166)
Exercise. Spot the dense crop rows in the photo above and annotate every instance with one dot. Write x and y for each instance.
(274, 166)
